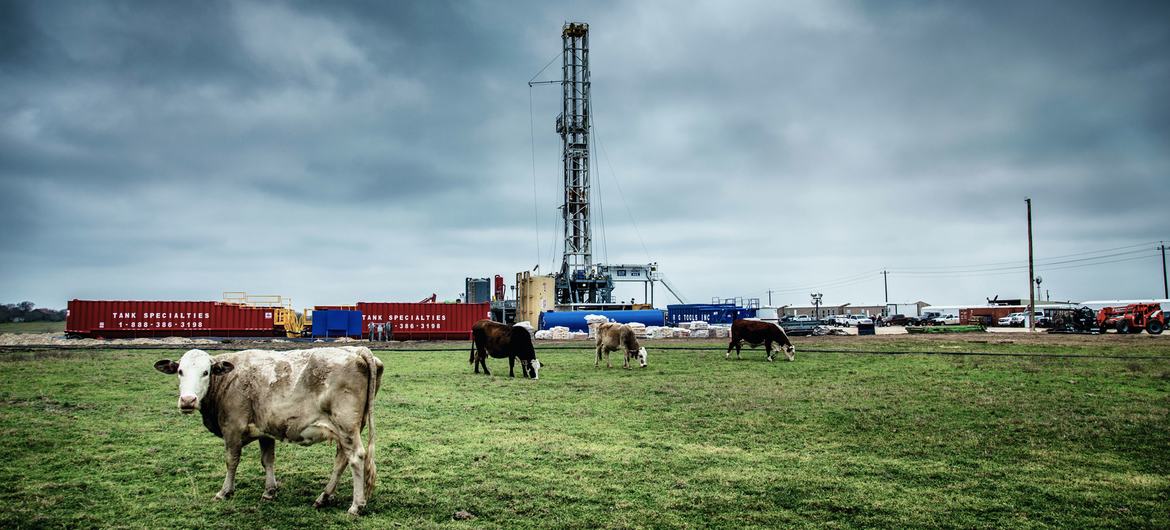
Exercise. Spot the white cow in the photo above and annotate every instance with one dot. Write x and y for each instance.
(299, 396)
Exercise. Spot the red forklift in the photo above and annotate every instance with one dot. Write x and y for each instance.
(1133, 318)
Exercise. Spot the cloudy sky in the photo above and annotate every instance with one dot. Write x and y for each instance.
(336, 152)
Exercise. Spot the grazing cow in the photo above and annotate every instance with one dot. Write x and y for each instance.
(756, 332)
(611, 336)
(299, 396)
(499, 341)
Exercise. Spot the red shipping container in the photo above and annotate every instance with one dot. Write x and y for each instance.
(423, 321)
(966, 316)
(137, 318)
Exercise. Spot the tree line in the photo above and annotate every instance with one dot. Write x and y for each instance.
(29, 312)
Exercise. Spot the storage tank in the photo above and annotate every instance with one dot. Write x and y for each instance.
(575, 320)
(156, 318)
(425, 321)
(534, 294)
(477, 290)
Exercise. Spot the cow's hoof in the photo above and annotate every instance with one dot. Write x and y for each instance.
(269, 494)
(322, 501)
(223, 495)
(354, 510)
(769, 359)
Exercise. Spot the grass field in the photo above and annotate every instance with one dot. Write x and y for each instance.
(32, 327)
(93, 439)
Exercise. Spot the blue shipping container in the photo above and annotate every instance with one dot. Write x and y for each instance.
(337, 323)
(711, 313)
(575, 320)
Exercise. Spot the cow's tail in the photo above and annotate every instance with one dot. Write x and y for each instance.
(375, 381)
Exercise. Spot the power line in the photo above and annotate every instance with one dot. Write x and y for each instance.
(1019, 267)
(1017, 263)
(1005, 273)
(1050, 264)
(851, 280)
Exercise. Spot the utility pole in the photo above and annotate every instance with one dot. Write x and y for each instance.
(816, 300)
(1165, 290)
(769, 297)
(886, 284)
(1031, 273)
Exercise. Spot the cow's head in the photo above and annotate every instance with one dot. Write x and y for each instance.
(521, 342)
(790, 352)
(195, 370)
(640, 354)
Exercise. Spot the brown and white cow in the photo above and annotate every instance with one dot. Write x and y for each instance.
(499, 341)
(756, 332)
(300, 396)
(612, 336)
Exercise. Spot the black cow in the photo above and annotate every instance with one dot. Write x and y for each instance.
(756, 332)
(500, 341)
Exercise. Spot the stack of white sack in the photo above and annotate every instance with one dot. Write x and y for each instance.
(699, 324)
(638, 328)
(526, 325)
(579, 335)
(543, 334)
(658, 332)
(700, 333)
(720, 332)
(560, 333)
(680, 333)
(593, 321)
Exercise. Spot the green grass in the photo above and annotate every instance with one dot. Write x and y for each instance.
(93, 439)
(32, 327)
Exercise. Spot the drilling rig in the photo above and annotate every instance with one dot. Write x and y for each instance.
(580, 283)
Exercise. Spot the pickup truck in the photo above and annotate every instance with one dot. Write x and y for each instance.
(896, 320)
(1011, 319)
(853, 320)
(946, 320)
(925, 319)
(799, 318)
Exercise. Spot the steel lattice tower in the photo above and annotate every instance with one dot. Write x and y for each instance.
(578, 281)
(573, 126)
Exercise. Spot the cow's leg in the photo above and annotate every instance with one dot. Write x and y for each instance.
(626, 363)
(607, 363)
(339, 463)
(471, 359)
(768, 349)
(511, 366)
(597, 362)
(357, 462)
(231, 446)
(730, 345)
(483, 363)
(267, 459)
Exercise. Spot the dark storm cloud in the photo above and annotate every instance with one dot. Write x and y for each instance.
(180, 149)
